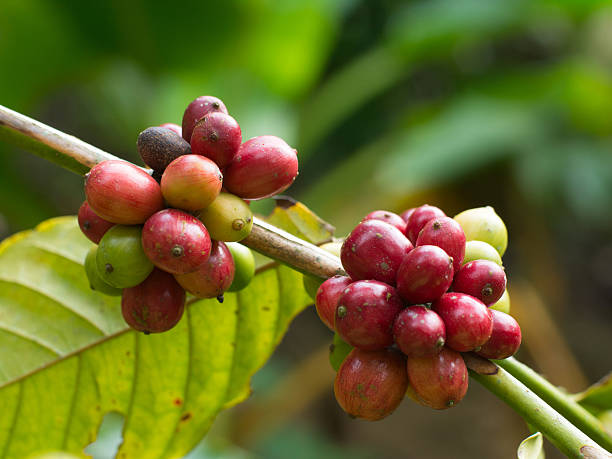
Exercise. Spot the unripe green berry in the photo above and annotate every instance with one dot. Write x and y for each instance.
(244, 263)
(503, 304)
(95, 280)
(479, 250)
(228, 218)
(483, 224)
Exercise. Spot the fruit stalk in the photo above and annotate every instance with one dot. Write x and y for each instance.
(78, 156)
(558, 400)
(562, 433)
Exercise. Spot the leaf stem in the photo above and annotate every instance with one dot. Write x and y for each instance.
(557, 399)
(78, 156)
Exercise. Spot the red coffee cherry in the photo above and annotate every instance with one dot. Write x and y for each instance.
(419, 332)
(216, 136)
(365, 314)
(438, 381)
(374, 250)
(91, 225)
(482, 279)
(468, 321)
(418, 218)
(371, 385)
(196, 110)
(155, 305)
(425, 274)
(505, 338)
(173, 127)
(176, 241)
(191, 182)
(212, 279)
(445, 233)
(326, 299)
(387, 217)
(407, 213)
(122, 193)
(262, 167)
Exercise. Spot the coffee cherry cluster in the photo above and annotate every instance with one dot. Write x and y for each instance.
(421, 289)
(176, 230)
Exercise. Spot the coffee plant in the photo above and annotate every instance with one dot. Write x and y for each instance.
(150, 302)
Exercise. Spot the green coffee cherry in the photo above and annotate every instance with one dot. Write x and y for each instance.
(338, 351)
(312, 283)
(121, 261)
(228, 218)
(483, 224)
(479, 250)
(503, 304)
(244, 262)
(95, 280)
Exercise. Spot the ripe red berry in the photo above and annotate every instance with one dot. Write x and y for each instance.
(216, 136)
(155, 305)
(196, 110)
(417, 219)
(438, 381)
(176, 241)
(191, 182)
(159, 146)
(468, 321)
(374, 250)
(365, 314)
(419, 331)
(505, 338)
(387, 217)
(91, 225)
(173, 127)
(445, 233)
(371, 385)
(212, 279)
(326, 299)
(122, 193)
(482, 279)
(425, 274)
(262, 167)
(407, 213)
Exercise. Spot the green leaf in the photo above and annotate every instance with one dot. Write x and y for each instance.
(67, 358)
(598, 397)
(531, 447)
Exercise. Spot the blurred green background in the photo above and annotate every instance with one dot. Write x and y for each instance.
(391, 104)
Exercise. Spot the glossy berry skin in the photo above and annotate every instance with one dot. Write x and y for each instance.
(407, 213)
(173, 127)
(468, 321)
(365, 314)
(159, 146)
(326, 299)
(483, 224)
(262, 167)
(419, 332)
(505, 339)
(191, 182)
(374, 250)
(176, 241)
(91, 225)
(479, 250)
(371, 385)
(120, 259)
(212, 279)
(425, 274)
(154, 306)
(216, 136)
(445, 233)
(439, 381)
(387, 217)
(122, 193)
(196, 110)
(482, 279)
(95, 280)
(228, 218)
(418, 218)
